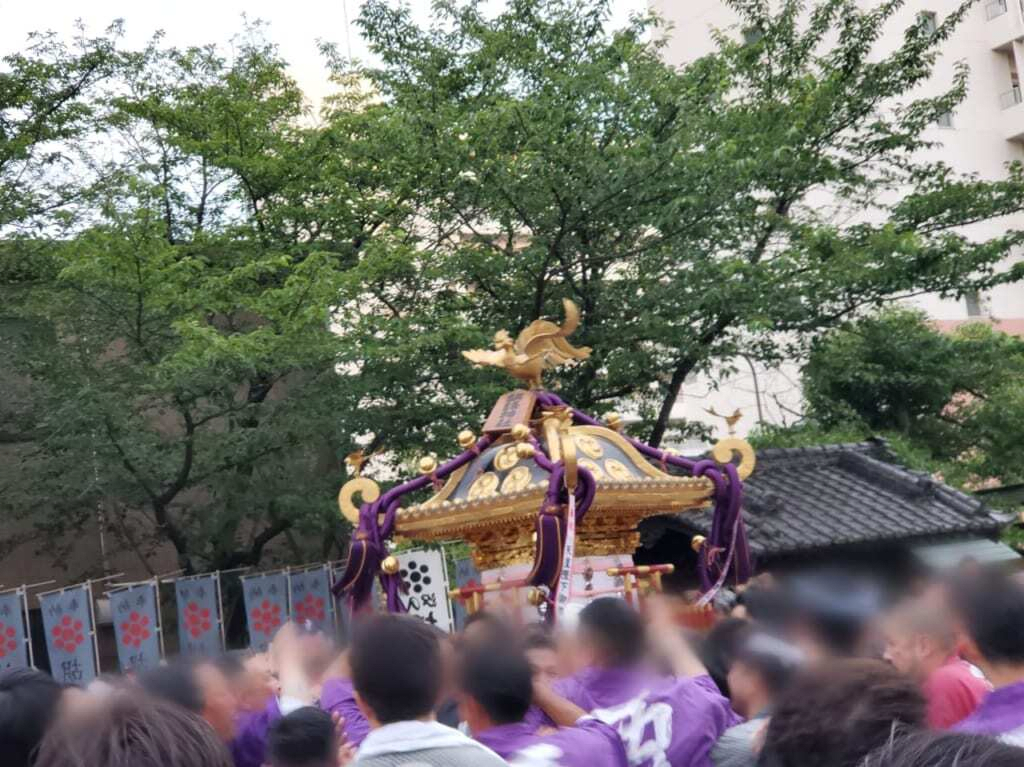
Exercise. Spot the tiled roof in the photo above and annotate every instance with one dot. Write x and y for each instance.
(802, 499)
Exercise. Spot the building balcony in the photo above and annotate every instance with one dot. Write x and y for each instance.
(1013, 114)
(1004, 23)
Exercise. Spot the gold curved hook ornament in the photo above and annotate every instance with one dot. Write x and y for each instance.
(724, 450)
(365, 487)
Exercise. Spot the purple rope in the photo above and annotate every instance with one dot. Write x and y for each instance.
(728, 533)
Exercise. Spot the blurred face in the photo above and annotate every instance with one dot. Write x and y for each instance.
(219, 704)
(258, 684)
(745, 689)
(904, 649)
(544, 662)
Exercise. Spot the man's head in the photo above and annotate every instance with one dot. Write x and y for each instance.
(304, 738)
(761, 669)
(132, 730)
(836, 713)
(200, 687)
(991, 612)
(484, 628)
(542, 654)
(496, 687)
(919, 637)
(251, 678)
(944, 749)
(396, 669)
(611, 634)
(28, 704)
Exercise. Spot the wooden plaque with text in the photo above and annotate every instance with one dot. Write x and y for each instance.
(511, 408)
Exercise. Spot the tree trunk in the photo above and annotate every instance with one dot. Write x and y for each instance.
(675, 384)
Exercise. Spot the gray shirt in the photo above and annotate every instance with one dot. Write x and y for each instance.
(735, 747)
(423, 744)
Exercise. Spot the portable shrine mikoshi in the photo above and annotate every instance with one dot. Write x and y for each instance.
(509, 493)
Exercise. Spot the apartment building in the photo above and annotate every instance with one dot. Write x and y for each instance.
(984, 134)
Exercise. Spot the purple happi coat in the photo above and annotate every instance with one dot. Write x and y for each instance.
(590, 743)
(570, 689)
(662, 720)
(249, 745)
(1001, 714)
(338, 697)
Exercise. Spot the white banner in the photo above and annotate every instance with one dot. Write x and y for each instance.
(425, 592)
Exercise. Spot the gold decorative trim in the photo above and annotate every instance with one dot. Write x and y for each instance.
(724, 450)
(518, 479)
(623, 444)
(506, 458)
(483, 486)
(362, 486)
(449, 486)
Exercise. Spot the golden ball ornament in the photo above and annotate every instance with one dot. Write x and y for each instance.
(614, 421)
(524, 450)
(697, 542)
(520, 432)
(535, 597)
(428, 464)
(466, 439)
(390, 565)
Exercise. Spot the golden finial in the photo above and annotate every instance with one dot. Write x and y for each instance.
(390, 565)
(428, 464)
(466, 439)
(356, 461)
(524, 450)
(730, 420)
(520, 432)
(539, 347)
(535, 597)
(614, 421)
(697, 542)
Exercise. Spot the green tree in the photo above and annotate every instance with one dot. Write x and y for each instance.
(47, 98)
(681, 208)
(191, 390)
(952, 402)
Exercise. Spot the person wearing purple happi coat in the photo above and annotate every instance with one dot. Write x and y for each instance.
(338, 697)
(497, 686)
(991, 610)
(662, 720)
(251, 728)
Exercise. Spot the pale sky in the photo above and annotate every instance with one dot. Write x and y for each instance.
(295, 25)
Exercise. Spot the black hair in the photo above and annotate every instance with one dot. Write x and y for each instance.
(28, 703)
(717, 649)
(945, 749)
(396, 667)
(500, 680)
(304, 738)
(992, 610)
(232, 663)
(836, 714)
(775, 661)
(176, 682)
(616, 628)
(132, 730)
(539, 637)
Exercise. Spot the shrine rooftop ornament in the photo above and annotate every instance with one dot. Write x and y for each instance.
(507, 493)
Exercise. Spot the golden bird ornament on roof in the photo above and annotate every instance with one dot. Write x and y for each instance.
(730, 420)
(540, 346)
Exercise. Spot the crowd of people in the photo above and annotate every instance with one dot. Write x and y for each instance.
(812, 672)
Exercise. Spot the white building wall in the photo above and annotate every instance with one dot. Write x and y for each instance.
(987, 133)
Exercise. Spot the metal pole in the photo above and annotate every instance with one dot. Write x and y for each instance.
(28, 626)
(159, 615)
(220, 611)
(92, 621)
